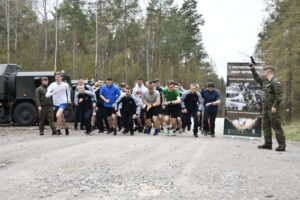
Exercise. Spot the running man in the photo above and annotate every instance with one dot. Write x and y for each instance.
(212, 99)
(138, 92)
(130, 110)
(61, 95)
(172, 106)
(151, 98)
(109, 93)
(191, 103)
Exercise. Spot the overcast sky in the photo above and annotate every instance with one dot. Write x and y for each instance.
(231, 29)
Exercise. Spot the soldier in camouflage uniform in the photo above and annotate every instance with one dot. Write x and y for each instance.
(272, 97)
(45, 106)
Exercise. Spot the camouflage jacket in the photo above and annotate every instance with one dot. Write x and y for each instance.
(272, 90)
(40, 97)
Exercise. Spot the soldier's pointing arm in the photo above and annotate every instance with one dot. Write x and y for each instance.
(256, 76)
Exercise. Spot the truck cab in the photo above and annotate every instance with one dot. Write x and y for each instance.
(17, 103)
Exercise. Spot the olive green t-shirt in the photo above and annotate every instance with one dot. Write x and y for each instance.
(171, 96)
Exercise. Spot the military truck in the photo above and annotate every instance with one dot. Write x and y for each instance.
(17, 90)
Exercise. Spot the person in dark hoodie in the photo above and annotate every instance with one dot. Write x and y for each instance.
(191, 103)
(212, 99)
(86, 101)
(77, 109)
(130, 109)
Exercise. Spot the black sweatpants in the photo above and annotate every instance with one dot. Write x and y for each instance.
(86, 118)
(187, 118)
(209, 121)
(127, 121)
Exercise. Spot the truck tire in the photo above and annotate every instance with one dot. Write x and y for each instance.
(12, 83)
(25, 114)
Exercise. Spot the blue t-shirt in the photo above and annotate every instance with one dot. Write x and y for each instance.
(209, 97)
(112, 93)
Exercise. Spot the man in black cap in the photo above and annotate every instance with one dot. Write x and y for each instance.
(44, 106)
(272, 97)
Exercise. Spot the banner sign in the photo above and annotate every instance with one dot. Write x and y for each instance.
(243, 101)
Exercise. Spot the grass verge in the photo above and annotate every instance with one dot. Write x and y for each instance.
(292, 131)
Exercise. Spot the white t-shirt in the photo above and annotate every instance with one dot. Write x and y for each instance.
(60, 93)
(138, 92)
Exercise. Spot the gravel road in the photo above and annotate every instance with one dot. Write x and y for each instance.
(101, 166)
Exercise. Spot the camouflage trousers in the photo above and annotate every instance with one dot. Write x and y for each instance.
(46, 114)
(272, 121)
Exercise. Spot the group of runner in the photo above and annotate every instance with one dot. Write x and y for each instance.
(148, 108)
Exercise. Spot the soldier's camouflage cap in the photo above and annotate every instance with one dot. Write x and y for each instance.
(266, 67)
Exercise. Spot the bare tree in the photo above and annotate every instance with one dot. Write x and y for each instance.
(16, 24)
(56, 36)
(45, 33)
(7, 17)
(97, 40)
(125, 40)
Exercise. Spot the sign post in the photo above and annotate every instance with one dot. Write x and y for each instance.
(243, 101)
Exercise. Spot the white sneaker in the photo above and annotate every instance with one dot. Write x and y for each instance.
(172, 133)
(166, 131)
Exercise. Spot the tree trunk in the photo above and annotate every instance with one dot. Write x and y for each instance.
(7, 17)
(46, 34)
(125, 42)
(16, 25)
(288, 102)
(97, 40)
(74, 55)
(56, 37)
(147, 54)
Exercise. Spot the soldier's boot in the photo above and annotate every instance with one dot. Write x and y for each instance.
(280, 148)
(265, 146)
(41, 132)
(53, 132)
